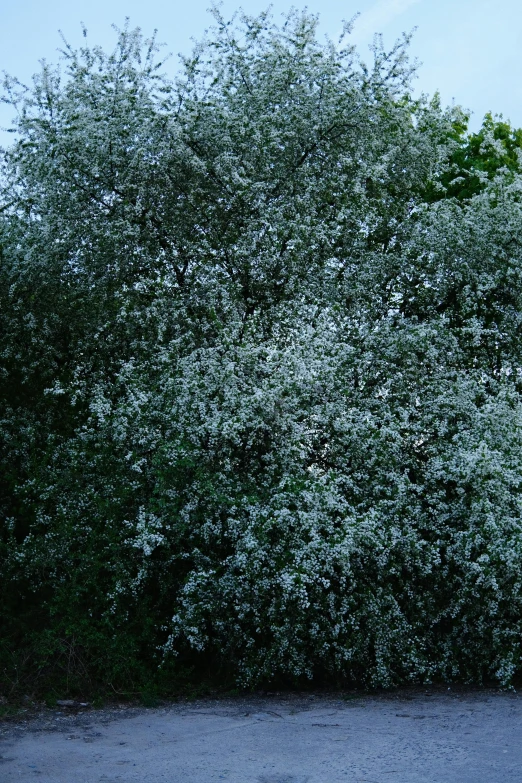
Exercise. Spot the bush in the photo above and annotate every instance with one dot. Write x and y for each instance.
(261, 415)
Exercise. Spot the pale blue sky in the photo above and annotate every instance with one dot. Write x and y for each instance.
(471, 50)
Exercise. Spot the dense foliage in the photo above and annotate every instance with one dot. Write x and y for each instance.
(260, 371)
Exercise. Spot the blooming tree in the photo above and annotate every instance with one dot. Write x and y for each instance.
(260, 369)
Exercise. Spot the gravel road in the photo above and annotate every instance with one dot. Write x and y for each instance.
(408, 737)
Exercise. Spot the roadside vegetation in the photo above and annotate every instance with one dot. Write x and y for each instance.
(260, 372)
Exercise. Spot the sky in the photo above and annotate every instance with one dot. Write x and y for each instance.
(470, 50)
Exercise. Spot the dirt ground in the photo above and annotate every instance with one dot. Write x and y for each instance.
(406, 737)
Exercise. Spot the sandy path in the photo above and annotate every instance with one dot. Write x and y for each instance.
(437, 738)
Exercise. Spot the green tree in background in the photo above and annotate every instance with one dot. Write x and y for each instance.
(260, 383)
(479, 157)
